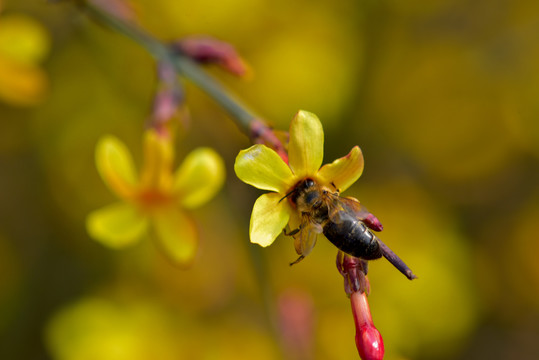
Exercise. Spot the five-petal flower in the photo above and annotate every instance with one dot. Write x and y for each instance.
(263, 168)
(154, 199)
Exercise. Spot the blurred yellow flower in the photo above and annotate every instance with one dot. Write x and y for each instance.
(104, 328)
(99, 328)
(156, 197)
(23, 44)
(263, 168)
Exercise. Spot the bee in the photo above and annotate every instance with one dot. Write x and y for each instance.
(343, 221)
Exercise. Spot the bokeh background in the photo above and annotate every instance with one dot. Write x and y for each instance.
(442, 97)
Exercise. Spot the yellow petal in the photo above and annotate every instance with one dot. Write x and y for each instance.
(344, 171)
(158, 157)
(306, 146)
(269, 217)
(111, 328)
(295, 221)
(176, 235)
(116, 225)
(199, 177)
(115, 166)
(21, 84)
(22, 39)
(263, 168)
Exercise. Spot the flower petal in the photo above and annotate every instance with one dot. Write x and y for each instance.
(269, 217)
(344, 171)
(117, 225)
(156, 172)
(199, 177)
(294, 222)
(21, 84)
(176, 234)
(263, 168)
(115, 166)
(23, 39)
(306, 146)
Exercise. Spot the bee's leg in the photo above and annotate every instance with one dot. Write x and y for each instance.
(291, 233)
(301, 257)
(365, 265)
(337, 191)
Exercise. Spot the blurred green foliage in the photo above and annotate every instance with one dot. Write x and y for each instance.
(440, 95)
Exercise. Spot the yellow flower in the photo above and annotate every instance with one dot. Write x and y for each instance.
(23, 44)
(155, 199)
(263, 168)
(108, 329)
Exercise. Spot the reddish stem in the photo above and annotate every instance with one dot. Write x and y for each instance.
(261, 133)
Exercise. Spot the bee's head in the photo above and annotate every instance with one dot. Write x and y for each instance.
(306, 194)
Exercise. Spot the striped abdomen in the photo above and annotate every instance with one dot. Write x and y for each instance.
(353, 237)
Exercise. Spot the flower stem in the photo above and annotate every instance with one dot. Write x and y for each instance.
(251, 124)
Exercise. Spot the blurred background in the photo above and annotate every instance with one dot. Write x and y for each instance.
(442, 97)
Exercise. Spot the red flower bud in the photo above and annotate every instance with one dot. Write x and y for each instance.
(373, 223)
(205, 50)
(354, 271)
(168, 102)
(368, 339)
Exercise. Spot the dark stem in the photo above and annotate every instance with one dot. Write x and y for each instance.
(252, 125)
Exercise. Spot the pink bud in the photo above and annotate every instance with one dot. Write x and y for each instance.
(368, 339)
(205, 49)
(373, 223)
(168, 102)
(354, 271)
(368, 219)
(369, 343)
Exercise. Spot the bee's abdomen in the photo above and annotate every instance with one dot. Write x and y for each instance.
(353, 237)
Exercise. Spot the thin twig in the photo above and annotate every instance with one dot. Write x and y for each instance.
(252, 125)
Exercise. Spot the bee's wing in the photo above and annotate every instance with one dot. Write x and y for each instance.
(306, 238)
(338, 209)
(346, 206)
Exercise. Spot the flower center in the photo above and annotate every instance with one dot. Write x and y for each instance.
(150, 198)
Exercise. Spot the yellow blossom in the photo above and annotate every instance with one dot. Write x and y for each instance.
(109, 329)
(23, 44)
(263, 168)
(156, 197)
